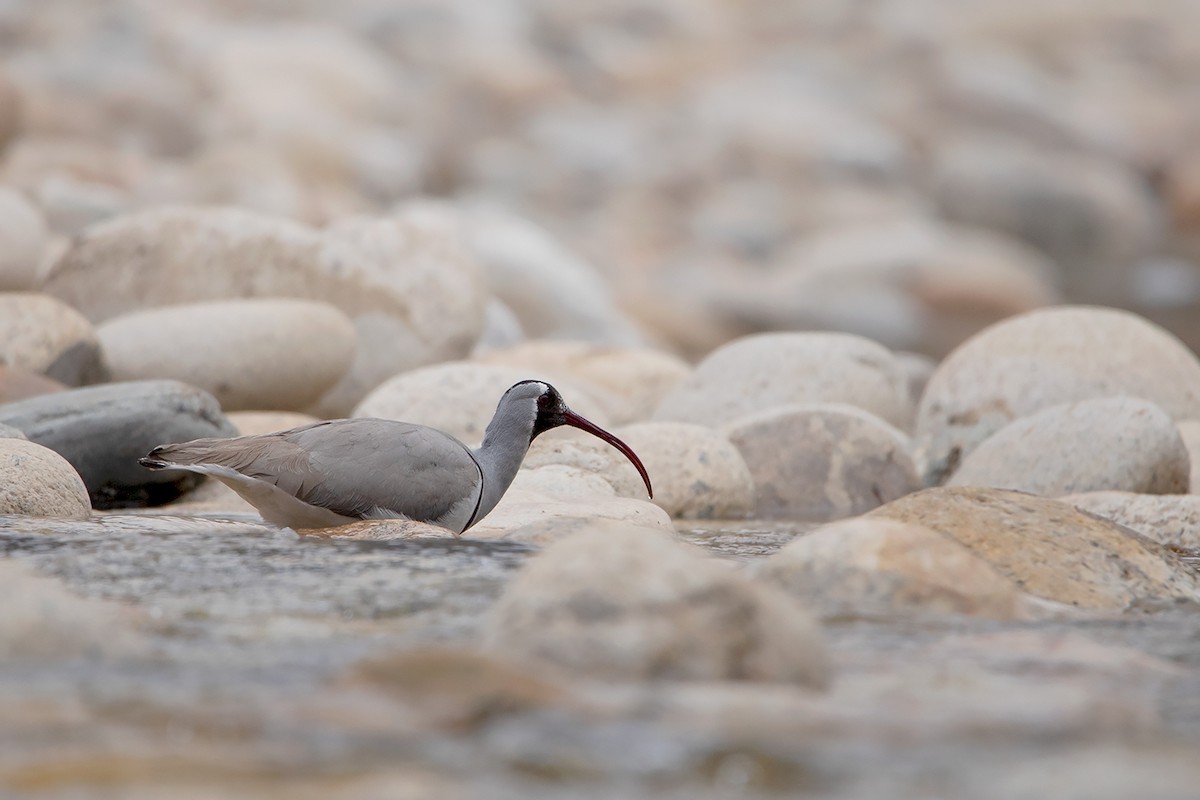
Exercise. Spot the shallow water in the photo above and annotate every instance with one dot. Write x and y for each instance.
(240, 692)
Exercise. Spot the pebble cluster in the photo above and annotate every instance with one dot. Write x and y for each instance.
(816, 263)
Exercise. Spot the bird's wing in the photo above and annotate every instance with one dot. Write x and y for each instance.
(352, 467)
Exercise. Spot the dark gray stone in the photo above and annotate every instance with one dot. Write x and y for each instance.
(103, 430)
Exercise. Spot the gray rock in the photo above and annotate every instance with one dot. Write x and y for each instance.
(1041, 359)
(757, 373)
(103, 430)
(617, 603)
(1169, 519)
(823, 461)
(868, 567)
(9, 432)
(274, 353)
(38, 482)
(44, 335)
(1117, 443)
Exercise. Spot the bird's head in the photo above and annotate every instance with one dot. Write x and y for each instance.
(550, 411)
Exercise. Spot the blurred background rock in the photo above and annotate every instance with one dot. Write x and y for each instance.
(909, 170)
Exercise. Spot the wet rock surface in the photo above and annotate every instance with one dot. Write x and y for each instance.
(324, 652)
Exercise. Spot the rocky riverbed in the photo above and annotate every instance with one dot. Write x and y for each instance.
(897, 302)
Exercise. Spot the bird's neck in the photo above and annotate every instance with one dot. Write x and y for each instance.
(505, 443)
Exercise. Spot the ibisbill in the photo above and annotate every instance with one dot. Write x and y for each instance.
(344, 470)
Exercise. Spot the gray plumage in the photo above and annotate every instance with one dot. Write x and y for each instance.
(336, 472)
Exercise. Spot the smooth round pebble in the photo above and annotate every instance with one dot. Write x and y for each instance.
(1117, 443)
(414, 294)
(1051, 549)
(23, 238)
(44, 335)
(623, 604)
(1041, 359)
(460, 397)
(38, 482)
(822, 462)
(877, 567)
(696, 472)
(757, 373)
(273, 353)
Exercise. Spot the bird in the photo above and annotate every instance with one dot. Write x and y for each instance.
(335, 472)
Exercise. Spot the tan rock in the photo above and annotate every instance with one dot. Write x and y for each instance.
(634, 605)
(872, 567)
(252, 423)
(757, 373)
(455, 687)
(1116, 443)
(822, 461)
(23, 238)
(1043, 358)
(1169, 519)
(1050, 549)
(17, 384)
(43, 335)
(413, 294)
(38, 482)
(276, 353)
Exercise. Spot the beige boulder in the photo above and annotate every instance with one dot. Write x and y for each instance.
(43, 335)
(535, 516)
(253, 423)
(23, 238)
(413, 293)
(38, 482)
(626, 604)
(823, 461)
(277, 353)
(695, 471)
(757, 373)
(1107, 443)
(1044, 358)
(878, 567)
(1050, 549)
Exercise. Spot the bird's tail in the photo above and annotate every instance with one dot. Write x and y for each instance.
(176, 456)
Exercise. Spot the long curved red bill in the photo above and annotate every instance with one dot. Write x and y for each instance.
(574, 420)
